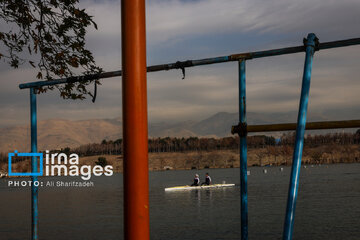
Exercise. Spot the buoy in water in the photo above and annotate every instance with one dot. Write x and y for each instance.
(248, 173)
(281, 169)
(265, 171)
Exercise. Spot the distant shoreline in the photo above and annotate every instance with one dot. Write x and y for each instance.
(217, 159)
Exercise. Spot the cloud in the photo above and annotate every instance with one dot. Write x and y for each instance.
(173, 21)
(179, 30)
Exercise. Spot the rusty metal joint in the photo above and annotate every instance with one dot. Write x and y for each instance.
(240, 57)
(240, 129)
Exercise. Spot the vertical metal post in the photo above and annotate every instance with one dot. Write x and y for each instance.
(34, 167)
(135, 128)
(310, 43)
(243, 151)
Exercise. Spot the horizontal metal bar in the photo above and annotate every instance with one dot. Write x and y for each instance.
(309, 126)
(199, 62)
(268, 53)
(70, 80)
(340, 43)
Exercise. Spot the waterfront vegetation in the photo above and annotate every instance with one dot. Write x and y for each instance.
(198, 153)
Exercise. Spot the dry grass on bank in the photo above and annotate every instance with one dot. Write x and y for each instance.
(223, 158)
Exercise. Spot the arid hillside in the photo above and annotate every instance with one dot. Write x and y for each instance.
(61, 133)
(58, 133)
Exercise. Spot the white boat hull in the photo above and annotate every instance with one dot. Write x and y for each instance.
(187, 187)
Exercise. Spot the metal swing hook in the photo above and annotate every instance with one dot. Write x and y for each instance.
(182, 66)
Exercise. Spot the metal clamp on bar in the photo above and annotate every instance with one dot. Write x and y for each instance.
(315, 44)
(240, 129)
(183, 65)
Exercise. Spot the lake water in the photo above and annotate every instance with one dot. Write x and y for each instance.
(328, 206)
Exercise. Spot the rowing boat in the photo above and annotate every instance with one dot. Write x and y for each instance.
(187, 187)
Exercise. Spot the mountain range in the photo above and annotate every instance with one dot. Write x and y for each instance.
(60, 133)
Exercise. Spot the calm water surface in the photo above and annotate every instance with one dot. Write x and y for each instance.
(328, 206)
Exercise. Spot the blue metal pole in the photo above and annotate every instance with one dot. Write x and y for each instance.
(34, 190)
(243, 151)
(299, 141)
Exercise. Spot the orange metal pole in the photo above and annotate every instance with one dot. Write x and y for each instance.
(135, 133)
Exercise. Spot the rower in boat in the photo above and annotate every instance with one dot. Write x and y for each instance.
(196, 180)
(207, 180)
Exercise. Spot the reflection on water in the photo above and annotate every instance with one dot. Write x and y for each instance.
(328, 206)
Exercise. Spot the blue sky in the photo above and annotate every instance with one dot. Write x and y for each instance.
(181, 30)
